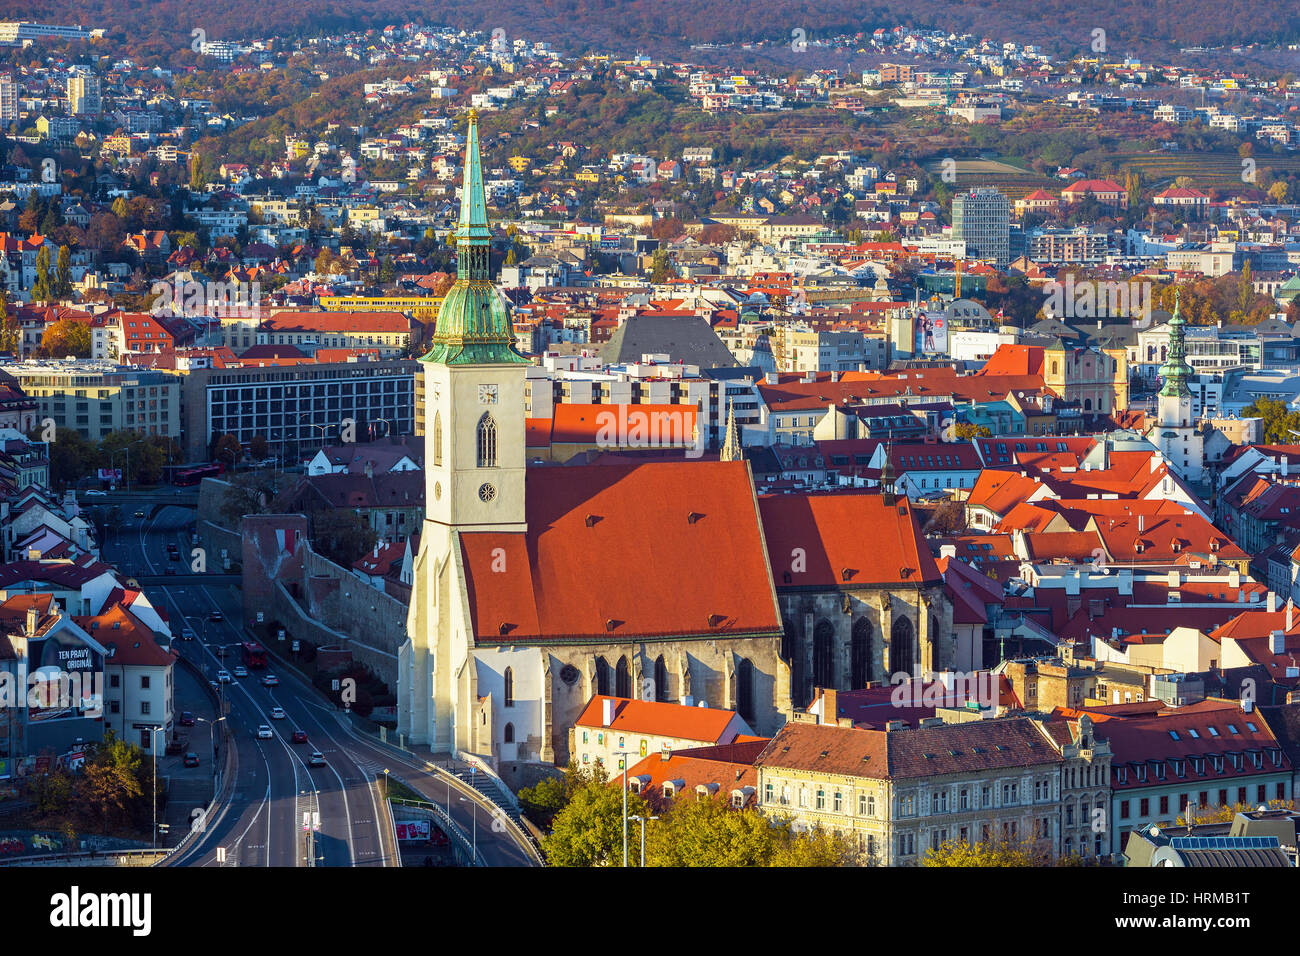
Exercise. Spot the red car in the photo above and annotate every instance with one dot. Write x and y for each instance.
(187, 719)
(300, 736)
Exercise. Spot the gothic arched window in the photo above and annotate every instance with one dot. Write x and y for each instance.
(510, 687)
(860, 669)
(745, 689)
(902, 645)
(622, 679)
(823, 655)
(437, 438)
(661, 679)
(509, 735)
(602, 677)
(487, 441)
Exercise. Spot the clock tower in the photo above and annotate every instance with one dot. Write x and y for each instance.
(474, 385)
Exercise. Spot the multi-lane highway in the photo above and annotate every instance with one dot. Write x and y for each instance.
(275, 788)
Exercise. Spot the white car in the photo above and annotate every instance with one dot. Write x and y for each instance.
(264, 732)
(317, 759)
(93, 493)
(270, 680)
(241, 671)
(224, 677)
(277, 713)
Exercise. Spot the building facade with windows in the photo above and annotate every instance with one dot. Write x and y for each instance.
(95, 398)
(900, 792)
(298, 407)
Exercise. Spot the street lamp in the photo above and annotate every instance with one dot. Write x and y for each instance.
(474, 815)
(324, 432)
(153, 746)
(642, 820)
(624, 755)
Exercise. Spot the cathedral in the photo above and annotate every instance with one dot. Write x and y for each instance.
(536, 588)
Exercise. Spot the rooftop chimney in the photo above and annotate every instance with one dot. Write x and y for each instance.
(33, 619)
(607, 712)
(1272, 602)
(1290, 614)
(1142, 523)
(1277, 642)
(830, 706)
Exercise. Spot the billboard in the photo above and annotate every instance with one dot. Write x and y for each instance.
(931, 333)
(110, 474)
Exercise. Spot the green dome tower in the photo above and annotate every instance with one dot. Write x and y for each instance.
(474, 326)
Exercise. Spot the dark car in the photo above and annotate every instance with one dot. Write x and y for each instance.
(216, 616)
(169, 570)
(187, 719)
(191, 759)
(300, 736)
(174, 555)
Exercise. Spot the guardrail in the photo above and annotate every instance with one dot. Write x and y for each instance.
(445, 822)
(524, 837)
(143, 857)
(226, 782)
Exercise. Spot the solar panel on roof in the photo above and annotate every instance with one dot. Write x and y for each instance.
(1224, 843)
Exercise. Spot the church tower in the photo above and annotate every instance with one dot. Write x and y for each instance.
(474, 384)
(1175, 432)
(474, 464)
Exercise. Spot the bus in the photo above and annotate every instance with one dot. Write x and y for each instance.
(254, 654)
(192, 476)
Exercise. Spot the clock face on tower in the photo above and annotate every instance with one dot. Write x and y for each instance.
(487, 394)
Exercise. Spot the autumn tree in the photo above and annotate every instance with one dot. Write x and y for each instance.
(227, 450)
(66, 337)
(589, 830)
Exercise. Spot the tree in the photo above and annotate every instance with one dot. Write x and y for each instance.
(63, 273)
(1245, 288)
(661, 270)
(710, 833)
(110, 784)
(589, 830)
(341, 535)
(72, 456)
(11, 332)
(817, 847)
(1278, 423)
(227, 450)
(258, 448)
(963, 854)
(43, 289)
(249, 493)
(66, 337)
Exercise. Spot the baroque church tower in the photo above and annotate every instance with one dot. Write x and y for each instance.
(1175, 432)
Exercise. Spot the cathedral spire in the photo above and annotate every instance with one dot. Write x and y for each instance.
(1176, 371)
(474, 325)
(731, 450)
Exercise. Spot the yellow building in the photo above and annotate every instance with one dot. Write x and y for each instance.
(422, 307)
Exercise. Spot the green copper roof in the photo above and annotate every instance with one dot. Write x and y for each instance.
(1176, 371)
(474, 326)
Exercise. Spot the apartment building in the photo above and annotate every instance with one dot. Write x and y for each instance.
(98, 397)
(902, 791)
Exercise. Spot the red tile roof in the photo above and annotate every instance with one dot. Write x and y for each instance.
(660, 719)
(619, 550)
(826, 529)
